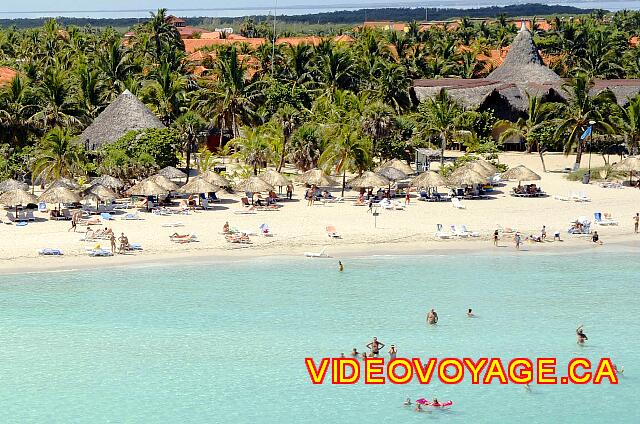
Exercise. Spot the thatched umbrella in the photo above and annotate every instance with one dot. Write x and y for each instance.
(11, 184)
(13, 198)
(59, 194)
(172, 173)
(429, 179)
(254, 185)
(65, 183)
(198, 185)
(391, 173)
(490, 167)
(214, 178)
(108, 181)
(318, 178)
(163, 182)
(397, 164)
(98, 193)
(466, 177)
(147, 188)
(630, 164)
(369, 179)
(477, 167)
(520, 173)
(274, 178)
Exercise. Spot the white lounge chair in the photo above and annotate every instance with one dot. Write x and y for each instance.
(131, 217)
(456, 203)
(50, 252)
(98, 252)
(464, 229)
(606, 220)
(320, 254)
(440, 233)
(458, 232)
(332, 232)
(173, 224)
(580, 196)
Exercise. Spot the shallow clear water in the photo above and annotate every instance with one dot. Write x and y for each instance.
(226, 342)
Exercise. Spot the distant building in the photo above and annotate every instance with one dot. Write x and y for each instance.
(505, 89)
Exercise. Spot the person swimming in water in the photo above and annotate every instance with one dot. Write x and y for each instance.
(581, 336)
(418, 407)
(618, 371)
(375, 347)
(340, 266)
(364, 355)
(470, 314)
(407, 402)
(435, 402)
(355, 352)
(342, 355)
(393, 352)
(432, 317)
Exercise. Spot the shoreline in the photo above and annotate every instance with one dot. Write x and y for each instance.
(354, 250)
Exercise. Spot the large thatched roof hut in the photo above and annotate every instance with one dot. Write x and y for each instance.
(505, 89)
(124, 114)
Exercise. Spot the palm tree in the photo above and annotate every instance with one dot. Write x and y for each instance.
(57, 156)
(305, 147)
(288, 118)
(162, 33)
(439, 116)
(57, 100)
(115, 66)
(16, 109)
(349, 150)
(629, 124)
(190, 125)
(254, 146)
(581, 110)
(538, 113)
(167, 93)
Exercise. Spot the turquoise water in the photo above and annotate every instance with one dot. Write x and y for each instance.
(225, 342)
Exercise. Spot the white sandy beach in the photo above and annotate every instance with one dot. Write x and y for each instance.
(297, 227)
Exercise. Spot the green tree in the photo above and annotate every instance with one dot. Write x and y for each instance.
(255, 147)
(190, 125)
(57, 156)
(438, 116)
(348, 150)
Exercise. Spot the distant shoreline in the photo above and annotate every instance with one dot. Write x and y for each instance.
(350, 16)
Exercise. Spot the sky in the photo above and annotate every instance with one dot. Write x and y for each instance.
(132, 8)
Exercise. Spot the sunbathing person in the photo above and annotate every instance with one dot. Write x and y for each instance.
(176, 235)
(107, 232)
(225, 228)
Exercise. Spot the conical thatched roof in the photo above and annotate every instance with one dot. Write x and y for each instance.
(475, 166)
(523, 64)
(369, 179)
(108, 181)
(317, 177)
(163, 182)
(147, 188)
(274, 178)
(630, 164)
(466, 177)
(172, 173)
(520, 173)
(398, 164)
(429, 179)
(12, 184)
(391, 173)
(17, 197)
(198, 185)
(124, 114)
(59, 194)
(254, 185)
(98, 192)
(214, 178)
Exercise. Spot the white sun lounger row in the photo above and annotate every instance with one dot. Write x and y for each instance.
(456, 231)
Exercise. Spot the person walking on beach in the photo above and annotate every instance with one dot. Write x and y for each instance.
(581, 336)
(112, 239)
(375, 347)
(370, 205)
(74, 224)
(636, 222)
(432, 317)
(518, 239)
(543, 233)
(407, 198)
(289, 191)
(495, 238)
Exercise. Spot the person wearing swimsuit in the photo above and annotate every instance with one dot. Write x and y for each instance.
(375, 347)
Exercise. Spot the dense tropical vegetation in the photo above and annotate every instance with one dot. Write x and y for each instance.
(339, 106)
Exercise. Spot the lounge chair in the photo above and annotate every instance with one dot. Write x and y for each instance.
(42, 207)
(440, 233)
(50, 252)
(332, 232)
(10, 218)
(241, 238)
(106, 216)
(580, 196)
(246, 211)
(598, 219)
(66, 214)
(464, 229)
(98, 252)
(131, 217)
(29, 215)
(320, 254)
(457, 203)
(119, 206)
(456, 231)
(22, 216)
(186, 238)
(89, 221)
(173, 224)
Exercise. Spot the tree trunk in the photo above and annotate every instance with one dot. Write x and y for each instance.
(283, 154)
(344, 180)
(188, 159)
(444, 146)
(544, 168)
(578, 156)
